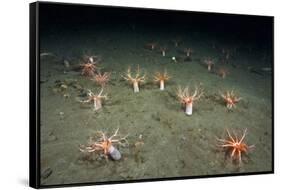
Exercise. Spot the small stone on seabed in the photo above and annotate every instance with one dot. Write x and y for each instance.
(46, 173)
(66, 95)
(183, 138)
(63, 86)
(61, 115)
(66, 63)
(52, 138)
(124, 175)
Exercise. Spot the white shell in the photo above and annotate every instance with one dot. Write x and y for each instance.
(114, 153)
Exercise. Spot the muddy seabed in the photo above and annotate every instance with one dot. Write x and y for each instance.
(163, 141)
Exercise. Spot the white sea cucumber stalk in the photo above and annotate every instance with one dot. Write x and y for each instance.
(114, 153)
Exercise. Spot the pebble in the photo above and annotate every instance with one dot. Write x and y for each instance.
(63, 86)
(66, 95)
(66, 63)
(61, 114)
(51, 137)
(183, 138)
(46, 173)
(124, 175)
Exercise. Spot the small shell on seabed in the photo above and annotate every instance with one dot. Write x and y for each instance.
(66, 63)
(114, 153)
